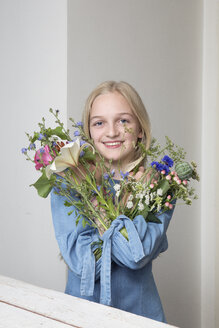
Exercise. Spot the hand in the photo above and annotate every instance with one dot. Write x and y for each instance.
(141, 175)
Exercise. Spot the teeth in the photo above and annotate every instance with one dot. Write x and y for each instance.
(112, 143)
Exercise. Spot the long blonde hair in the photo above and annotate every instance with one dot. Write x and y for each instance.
(134, 101)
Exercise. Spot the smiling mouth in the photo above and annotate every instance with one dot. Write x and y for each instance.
(114, 144)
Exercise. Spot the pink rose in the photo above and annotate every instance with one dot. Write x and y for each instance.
(42, 157)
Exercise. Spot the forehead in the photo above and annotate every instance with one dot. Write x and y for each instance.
(111, 102)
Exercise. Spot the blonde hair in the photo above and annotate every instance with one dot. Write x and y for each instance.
(134, 101)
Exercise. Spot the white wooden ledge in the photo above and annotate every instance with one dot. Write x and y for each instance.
(24, 305)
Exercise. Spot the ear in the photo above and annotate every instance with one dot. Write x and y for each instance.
(140, 135)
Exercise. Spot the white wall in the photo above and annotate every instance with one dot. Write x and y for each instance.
(33, 78)
(210, 176)
(157, 47)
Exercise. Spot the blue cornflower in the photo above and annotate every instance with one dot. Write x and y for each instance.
(79, 123)
(166, 168)
(40, 136)
(82, 153)
(24, 150)
(160, 167)
(106, 176)
(154, 163)
(124, 175)
(77, 133)
(32, 146)
(167, 160)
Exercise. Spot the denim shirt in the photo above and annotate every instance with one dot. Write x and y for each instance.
(122, 277)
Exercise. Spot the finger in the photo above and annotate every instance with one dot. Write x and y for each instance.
(141, 169)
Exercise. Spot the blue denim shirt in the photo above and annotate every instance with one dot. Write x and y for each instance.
(122, 277)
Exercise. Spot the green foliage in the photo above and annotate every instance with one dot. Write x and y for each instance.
(44, 185)
(95, 197)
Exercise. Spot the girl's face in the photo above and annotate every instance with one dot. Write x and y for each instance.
(114, 128)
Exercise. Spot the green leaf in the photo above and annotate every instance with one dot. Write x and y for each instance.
(144, 213)
(66, 203)
(124, 232)
(88, 155)
(84, 222)
(44, 185)
(152, 218)
(58, 132)
(69, 213)
(164, 185)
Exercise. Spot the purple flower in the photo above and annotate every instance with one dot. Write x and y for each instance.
(106, 176)
(77, 133)
(98, 188)
(82, 142)
(24, 150)
(124, 175)
(79, 123)
(167, 160)
(32, 146)
(40, 136)
(82, 153)
(42, 150)
(113, 172)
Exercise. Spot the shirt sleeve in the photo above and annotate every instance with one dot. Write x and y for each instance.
(146, 240)
(76, 243)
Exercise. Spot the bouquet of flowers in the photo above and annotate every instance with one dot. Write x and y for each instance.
(73, 168)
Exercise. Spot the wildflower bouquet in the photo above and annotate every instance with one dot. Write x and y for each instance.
(75, 169)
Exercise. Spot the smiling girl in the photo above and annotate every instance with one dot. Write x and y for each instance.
(116, 119)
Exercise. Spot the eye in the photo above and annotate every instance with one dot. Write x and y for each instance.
(124, 121)
(99, 123)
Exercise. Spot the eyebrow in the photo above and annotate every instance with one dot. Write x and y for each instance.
(99, 116)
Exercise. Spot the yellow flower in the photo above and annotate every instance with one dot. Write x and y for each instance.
(69, 157)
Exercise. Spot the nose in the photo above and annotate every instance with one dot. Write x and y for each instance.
(113, 130)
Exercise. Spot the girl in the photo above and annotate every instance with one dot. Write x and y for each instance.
(115, 118)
